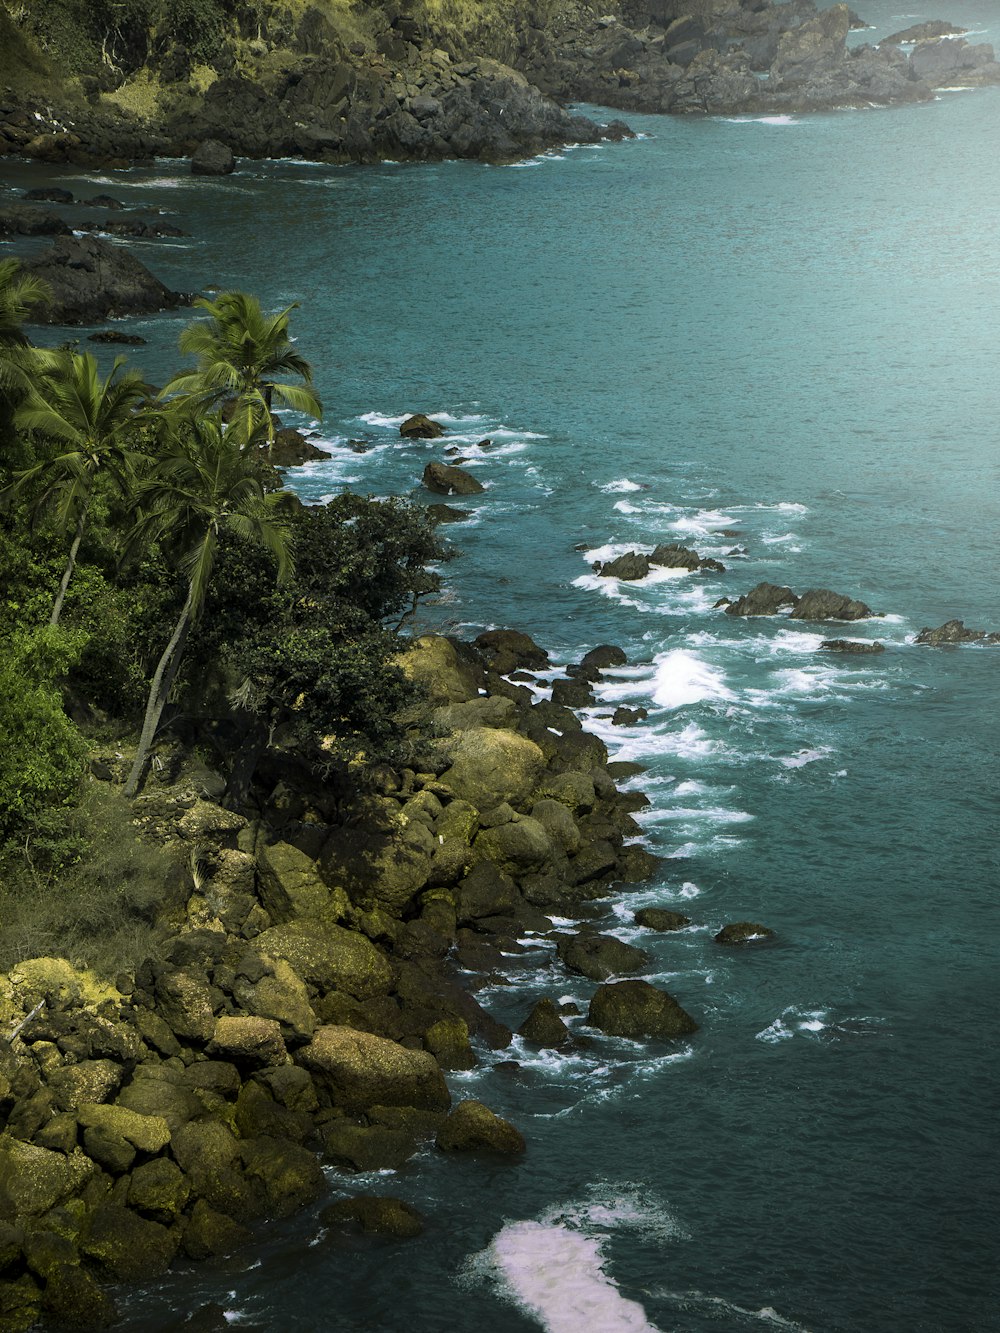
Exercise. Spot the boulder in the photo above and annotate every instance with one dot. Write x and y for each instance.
(375, 1215)
(33, 1179)
(766, 599)
(186, 1004)
(599, 956)
(355, 1147)
(282, 996)
(379, 868)
(934, 61)
(954, 631)
(672, 555)
(289, 1175)
(419, 427)
(491, 765)
(248, 1041)
(630, 567)
(661, 918)
(743, 932)
(822, 604)
(209, 1233)
(446, 676)
(516, 848)
(918, 32)
(544, 1027)
(23, 220)
(291, 886)
(572, 692)
(359, 1070)
(127, 1247)
(445, 480)
(486, 892)
(858, 646)
(90, 280)
(212, 158)
(628, 717)
(51, 194)
(494, 711)
(88, 1081)
(448, 1042)
(147, 1133)
(438, 513)
(158, 1190)
(329, 957)
(509, 650)
(637, 1009)
(290, 448)
(473, 1127)
(604, 655)
(560, 826)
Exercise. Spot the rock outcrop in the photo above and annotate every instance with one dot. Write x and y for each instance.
(90, 281)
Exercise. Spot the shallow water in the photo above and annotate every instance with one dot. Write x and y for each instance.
(786, 330)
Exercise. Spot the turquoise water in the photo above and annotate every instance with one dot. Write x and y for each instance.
(785, 329)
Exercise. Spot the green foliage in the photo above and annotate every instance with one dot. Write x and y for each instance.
(41, 760)
(84, 886)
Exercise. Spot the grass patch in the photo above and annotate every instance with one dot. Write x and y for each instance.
(90, 892)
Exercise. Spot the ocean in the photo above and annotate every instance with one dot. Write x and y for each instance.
(776, 339)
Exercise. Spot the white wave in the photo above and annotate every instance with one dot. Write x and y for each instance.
(682, 678)
(692, 815)
(761, 120)
(688, 1300)
(704, 522)
(791, 1021)
(805, 757)
(622, 484)
(624, 507)
(780, 539)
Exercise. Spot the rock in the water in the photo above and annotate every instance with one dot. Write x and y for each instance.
(509, 650)
(604, 655)
(743, 932)
(865, 647)
(822, 604)
(51, 194)
(954, 631)
(628, 717)
(290, 448)
(360, 1070)
(766, 599)
(376, 1215)
(637, 1009)
(91, 280)
(661, 918)
(923, 32)
(23, 220)
(600, 956)
(630, 567)
(212, 158)
(445, 480)
(674, 556)
(419, 427)
(446, 514)
(473, 1127)
(117, 338)
(544, 1027)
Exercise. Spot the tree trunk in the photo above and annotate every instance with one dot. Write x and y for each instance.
(70, 565)
(159, 692)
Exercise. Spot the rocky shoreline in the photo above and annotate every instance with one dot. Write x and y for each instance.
(491, 85)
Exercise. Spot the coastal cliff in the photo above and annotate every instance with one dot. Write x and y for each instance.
(426, 80)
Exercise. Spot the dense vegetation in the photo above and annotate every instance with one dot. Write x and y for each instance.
(159, 583)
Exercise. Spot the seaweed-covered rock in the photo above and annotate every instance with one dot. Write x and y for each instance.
(637, 1009)
(859, 647)
(359, 1070)
(158, 1190)
(743, 932)
(290, 1175)
(33, 1179)
(378, 1215)
(473, 1127)
(357, 1147)
(129, 1248)
(248, 1041)
(147, 1133)
(661, 918)
(208, 1233)
(329, 957)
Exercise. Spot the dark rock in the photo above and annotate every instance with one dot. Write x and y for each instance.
(637, 1009)
(212, 158)
(91, 280)
(743, 932)
(127, 1247)
(766, 599)
(446, 514)
(627, 717)
(600, 956)
(359, 1070)
(290, 448)
(933, 62)
(567, 693)
(605, 655)
(419, 427)
(543, 1026)
(821, 604)
(507, 650)
(954, 631)
(375, 1215)
(674, 556)
(857, 646)
(104, 201)
(922, 32)
(51, 194)
(447, 480)
(23, 220)
(473, 1127)
(661, 918)
(630, 567)
(116, 338)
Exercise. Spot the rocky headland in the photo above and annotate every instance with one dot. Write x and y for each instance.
(418, 81)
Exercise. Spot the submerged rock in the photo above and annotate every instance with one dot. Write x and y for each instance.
(743, 932)
(378, 1215)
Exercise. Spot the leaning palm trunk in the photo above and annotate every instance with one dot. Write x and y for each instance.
(159, 690)
(81, 524)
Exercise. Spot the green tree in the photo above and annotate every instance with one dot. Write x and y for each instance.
(18, 293)
(97, 419)
(41, 759)
(241, 355)
(200, 487)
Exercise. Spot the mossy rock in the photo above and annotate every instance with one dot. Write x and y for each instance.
(380, 868)
(600, 956)
(74, 1300)
(291, 886)
(636, 1009)
(448, 1041)
(557, 821)
(20, 1304)
(290, 1175)
(573, 790)
(375, 1215)
(158, 1099)
(129, 1248)
(744, 932)
(248, 1041)
(435, 665)
(159, 1190)
(208, 1233)
(491, 765)
(544, 1027)
(330, 957)
(473, 1127)
(33, 1179)
(360, 1070)
(367, 1147)
(59, 983)
(516, 849)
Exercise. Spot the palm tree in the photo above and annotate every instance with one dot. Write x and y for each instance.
(241, 352)
(201, 484)
(18, 293)
(96, 418)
